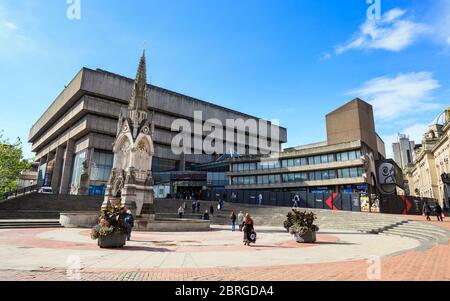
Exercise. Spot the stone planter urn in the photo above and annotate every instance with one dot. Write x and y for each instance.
(309, 237)
(117, 240)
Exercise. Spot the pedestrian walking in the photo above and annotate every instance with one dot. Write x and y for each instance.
(211, 210)
(296, 200)
(439, 213)
(194, 206)
(198, 206)
(233, 218)
(249, 230)
(260, 199)
(129, 223)
(240, 220)
(427, 211)
(181, 211)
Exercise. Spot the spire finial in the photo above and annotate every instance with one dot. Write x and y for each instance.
(139, 95)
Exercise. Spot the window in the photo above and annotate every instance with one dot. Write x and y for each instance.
(291, 177)
(303, 161)
(312, 176)
(344, 156)
(353, 172)
(316, 159)
(331, 158)
(101, 167)
(325, 175)
(324, 158)
(344, 173)
(352, 155)
(272, 179)
(290, 162)
(297, 162)
(332, 174)
(318, 175)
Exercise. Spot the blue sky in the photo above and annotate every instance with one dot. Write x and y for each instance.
(289, 60)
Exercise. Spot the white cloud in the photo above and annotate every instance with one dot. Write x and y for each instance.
(325, 56)
(10, 25)
(393, 32)
(415, 133)
(14, 40)
(438, 17)
(400, 95)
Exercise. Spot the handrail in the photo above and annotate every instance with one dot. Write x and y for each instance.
(17, 192)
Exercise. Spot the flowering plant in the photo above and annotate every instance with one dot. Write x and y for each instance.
(300, 222)
(111, 221)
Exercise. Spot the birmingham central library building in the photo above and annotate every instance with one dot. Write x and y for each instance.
(75, 136)
(81, 125)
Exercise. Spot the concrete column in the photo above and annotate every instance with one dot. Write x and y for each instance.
(50, 168)
(67, 167)
(57, 169)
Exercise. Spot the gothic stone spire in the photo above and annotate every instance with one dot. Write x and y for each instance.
(139, 96)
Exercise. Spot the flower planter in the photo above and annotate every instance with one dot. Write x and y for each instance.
(308, 237)
(112, 241)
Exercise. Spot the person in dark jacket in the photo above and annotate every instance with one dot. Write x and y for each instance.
(194, 206)
(248, 230)
(427, 211)
(211, 210)
(233, 218)
(439, 212)
(198, 206)
(129, 223)
(206, 216)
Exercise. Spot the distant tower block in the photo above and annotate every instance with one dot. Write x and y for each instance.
(131, 181)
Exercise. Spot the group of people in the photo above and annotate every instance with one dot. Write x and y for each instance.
(246, 225)
(437, 209)
(196, 208)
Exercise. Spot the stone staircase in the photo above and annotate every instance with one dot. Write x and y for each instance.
(18, 224)
(421, 231)
(46, 206)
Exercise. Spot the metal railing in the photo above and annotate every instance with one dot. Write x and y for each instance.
(19, 192)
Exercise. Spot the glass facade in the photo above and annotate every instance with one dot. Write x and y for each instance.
(102, 165)
(344, 173)
(77, 170)
(302, 161)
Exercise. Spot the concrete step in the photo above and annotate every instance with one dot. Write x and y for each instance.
(424, 236)
(20, 224)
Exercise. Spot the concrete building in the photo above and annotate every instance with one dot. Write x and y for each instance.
(429, 175)
(81, 124)
(29, 177)
(346, 162)
(403, 151)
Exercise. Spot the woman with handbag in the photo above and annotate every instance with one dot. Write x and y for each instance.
(249, 231)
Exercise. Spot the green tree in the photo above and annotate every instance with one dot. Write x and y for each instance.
(11, 163)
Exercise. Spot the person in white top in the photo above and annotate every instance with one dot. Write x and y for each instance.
(181, 211)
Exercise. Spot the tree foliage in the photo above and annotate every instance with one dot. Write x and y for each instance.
(11, 163)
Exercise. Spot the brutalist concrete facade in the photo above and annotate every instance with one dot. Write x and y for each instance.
(81, 124)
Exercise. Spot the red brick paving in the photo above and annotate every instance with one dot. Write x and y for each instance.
(28, 238)
(433, 264)
(429, 265)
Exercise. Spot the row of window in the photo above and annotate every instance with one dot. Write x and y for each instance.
(312, 160)
(344, 173)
